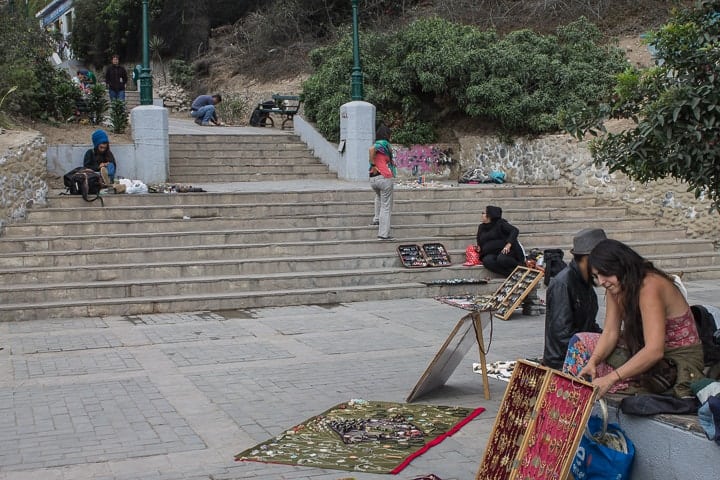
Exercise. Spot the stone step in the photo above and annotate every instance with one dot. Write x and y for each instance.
(213, 140)
(209, 177)
(143, 252)
(327, 279)
(214, 169)
(66, 207)
(240, 150)
(287, 234)
(190, 223)
(134, 221)
(221, 266)
(229, 300)
(361, 192)
(249, 158)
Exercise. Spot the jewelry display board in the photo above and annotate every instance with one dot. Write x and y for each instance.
(538, 426)
(467, 332)
(412, 256)
(513, 291)
(427, 255)
(436, 254)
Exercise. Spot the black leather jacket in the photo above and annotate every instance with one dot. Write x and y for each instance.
(571, 306)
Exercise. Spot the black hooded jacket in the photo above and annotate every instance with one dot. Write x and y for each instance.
(571, 306)
(492, 237)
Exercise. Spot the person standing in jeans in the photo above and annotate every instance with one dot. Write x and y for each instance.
(116, 78)
(382, 170)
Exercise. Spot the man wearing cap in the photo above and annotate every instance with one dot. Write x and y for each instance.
(571, 301)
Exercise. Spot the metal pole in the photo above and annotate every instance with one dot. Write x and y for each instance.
(356, 81)
(146, 94)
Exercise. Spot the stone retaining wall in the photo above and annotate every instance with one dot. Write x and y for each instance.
(22, 173)
(560, 159)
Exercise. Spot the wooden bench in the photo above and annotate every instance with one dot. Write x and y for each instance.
(284, 105)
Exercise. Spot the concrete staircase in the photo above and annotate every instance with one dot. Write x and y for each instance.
(211, 158)
(220, 251)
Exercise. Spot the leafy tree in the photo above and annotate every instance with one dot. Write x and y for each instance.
(432, 69)
(675, 106)
(23, 64)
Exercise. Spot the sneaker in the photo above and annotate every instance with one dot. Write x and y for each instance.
(374, 222)
(198, 121)
(385, 238)
(205, 124)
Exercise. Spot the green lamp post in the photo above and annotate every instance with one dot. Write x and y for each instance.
(356, 81)
(146, 95)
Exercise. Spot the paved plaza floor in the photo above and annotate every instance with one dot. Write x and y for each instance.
(175, 396)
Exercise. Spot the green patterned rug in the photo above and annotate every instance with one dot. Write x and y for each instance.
(366, 436)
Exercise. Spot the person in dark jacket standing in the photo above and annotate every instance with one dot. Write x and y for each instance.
(497, 242)
(116, 78)
(571, 304)
(100, 158)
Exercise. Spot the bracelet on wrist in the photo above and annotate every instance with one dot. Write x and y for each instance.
(618, 375)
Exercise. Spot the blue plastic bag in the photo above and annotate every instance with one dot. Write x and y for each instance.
(596, 461)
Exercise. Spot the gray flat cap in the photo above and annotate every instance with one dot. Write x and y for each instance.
(586, 239)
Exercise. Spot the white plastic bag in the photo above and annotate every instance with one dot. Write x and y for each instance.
(136, 186)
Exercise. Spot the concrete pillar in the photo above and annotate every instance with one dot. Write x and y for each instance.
(150, 132)
(357, 133)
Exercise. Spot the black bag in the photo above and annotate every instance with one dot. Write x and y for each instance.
(256, 118)
(554, 263)
(707, 327)
(84, 181)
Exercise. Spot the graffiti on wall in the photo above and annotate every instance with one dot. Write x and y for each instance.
(423, 159)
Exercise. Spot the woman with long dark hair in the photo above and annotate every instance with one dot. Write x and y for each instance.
(650, 342)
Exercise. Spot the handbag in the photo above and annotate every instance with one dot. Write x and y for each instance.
(605, 452)
(661, 377)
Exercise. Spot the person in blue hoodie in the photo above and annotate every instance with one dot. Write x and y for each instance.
(100, 158)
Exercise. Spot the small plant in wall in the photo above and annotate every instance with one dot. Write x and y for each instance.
(4, 122)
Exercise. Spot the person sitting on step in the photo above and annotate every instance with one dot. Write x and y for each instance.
(497, 242)
(100, 158)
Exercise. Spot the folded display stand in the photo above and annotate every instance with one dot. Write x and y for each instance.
(538, 426)
(513, 291)
(467, 332)
(427, 255)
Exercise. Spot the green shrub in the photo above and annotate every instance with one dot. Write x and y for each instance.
(181, 73)
(414, 132)
(433, 68)
(97, 103)
(118, 116)
(234, 109)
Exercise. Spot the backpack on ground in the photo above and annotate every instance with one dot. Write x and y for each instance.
(84, 181)
(554, 263)
(256, 118)
(708, 328)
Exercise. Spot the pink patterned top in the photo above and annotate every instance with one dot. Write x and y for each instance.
(681, 331)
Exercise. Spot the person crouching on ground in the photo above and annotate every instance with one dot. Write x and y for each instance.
(382, 171)
(203, 109)
(571, 301)
(497, 242)
(100, 158)
(650, 342)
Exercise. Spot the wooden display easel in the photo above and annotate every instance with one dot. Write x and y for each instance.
(467, 332)
(513, 291)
